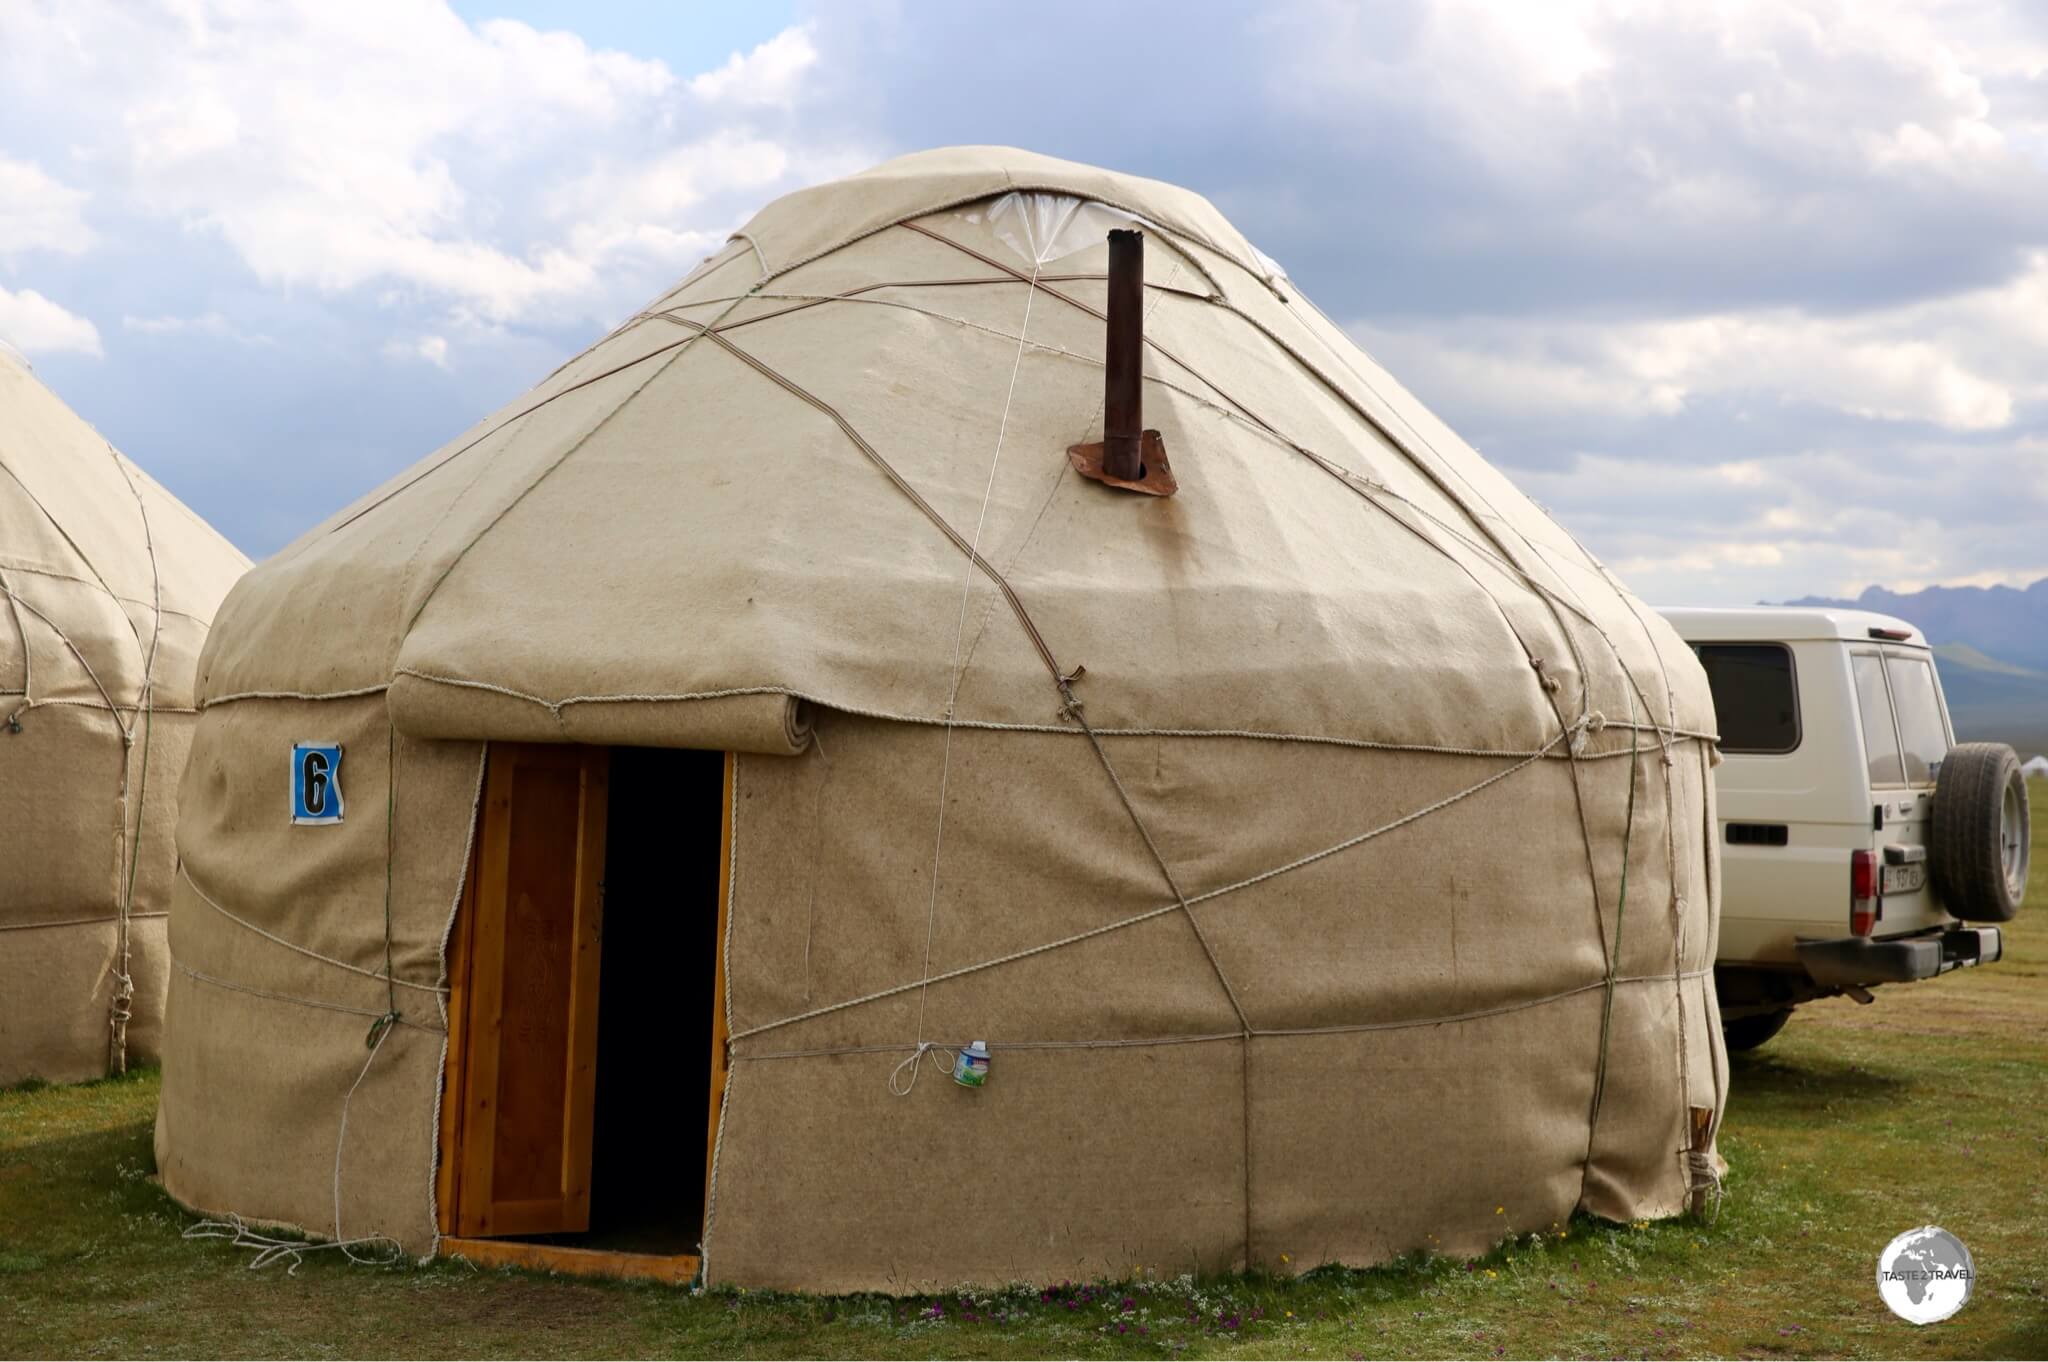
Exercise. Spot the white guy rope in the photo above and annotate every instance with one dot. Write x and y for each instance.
(898, 1085)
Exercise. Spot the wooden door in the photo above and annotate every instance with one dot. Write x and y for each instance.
(523, 997)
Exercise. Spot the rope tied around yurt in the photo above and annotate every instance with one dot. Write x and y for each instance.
(121, 1010)
(185, 873)
(120, 1007)
(1193, 900)
(1614, 953)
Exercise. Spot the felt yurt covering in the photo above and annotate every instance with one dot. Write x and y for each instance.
(107, 583)
(1324, 851)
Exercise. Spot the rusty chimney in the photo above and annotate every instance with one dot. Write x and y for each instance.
(1123, 398)
(1130, 457)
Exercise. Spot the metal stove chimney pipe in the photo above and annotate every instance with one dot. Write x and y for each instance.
(1123, 402)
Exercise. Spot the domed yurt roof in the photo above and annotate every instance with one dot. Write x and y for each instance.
(1271, 813)
(107, 584)
(742, 487)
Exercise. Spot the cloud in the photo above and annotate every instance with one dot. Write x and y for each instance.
(37, 213)
(206, 324)
(1882, 365)
(334, 147)
(1674, 155)
(1753, 293)
(36, 326)
(770, 74)
(661, 208)
(430, 349)
(1839, 516)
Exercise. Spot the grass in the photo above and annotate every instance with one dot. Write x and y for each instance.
(1854, 1124)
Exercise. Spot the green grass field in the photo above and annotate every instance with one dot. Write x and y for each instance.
(1854, 1124)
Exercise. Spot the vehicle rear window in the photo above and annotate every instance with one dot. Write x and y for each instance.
(1921, 731)
(1874, 703)
(1756, 702)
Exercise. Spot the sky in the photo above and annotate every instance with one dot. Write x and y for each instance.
(1752, 297)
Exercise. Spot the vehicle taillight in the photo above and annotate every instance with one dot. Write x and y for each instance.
(1866, 900)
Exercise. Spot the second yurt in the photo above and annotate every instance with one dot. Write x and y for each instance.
(107, 585)
(978, 738)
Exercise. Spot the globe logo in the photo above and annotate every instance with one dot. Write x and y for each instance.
(1925, 1275)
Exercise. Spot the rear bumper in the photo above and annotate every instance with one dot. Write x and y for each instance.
(1853, 960)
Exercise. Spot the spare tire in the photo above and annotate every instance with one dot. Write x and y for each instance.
(1977, 851)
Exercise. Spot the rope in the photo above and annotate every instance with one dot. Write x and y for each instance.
(73, 702)
(391, 1014)
(121, 1004)
(902, 484)
(898, 1085)
(185, 872)
(73, 922)
(121, 1009)
(35, 570)
(22, 603)
(1614, 956)
(272, 1249)
(1161, 911)
(232, 987)
(1678, 901)
(377, 689)
(867, 711)
(27, 662)
(1213, 1037)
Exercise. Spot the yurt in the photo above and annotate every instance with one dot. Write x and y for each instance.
(978, 738)
(107, 584)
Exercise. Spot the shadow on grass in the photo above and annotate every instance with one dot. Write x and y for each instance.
(2028, 1340)
(138, 1073)
(1809, 1085)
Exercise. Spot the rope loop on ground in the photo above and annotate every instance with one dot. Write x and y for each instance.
(271, 1249)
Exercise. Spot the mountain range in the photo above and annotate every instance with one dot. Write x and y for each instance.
(1992, 649)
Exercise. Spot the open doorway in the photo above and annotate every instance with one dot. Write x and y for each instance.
(586, 1026)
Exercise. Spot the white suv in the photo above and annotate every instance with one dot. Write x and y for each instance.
(1857, 837)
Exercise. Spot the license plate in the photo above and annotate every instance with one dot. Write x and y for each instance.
(1905, 879)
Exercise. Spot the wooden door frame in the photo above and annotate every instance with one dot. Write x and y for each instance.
(721, 1042)
(679, 1268)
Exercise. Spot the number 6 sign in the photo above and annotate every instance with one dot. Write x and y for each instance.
(316, 782)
